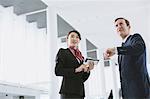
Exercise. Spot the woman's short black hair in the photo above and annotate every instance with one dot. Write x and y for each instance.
(75, 31)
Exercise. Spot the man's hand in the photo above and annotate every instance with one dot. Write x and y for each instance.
(109, 52)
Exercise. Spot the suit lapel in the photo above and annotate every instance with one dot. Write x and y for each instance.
(120, 57)
(72, 56)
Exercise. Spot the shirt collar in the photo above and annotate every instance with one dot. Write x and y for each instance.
(124, 40)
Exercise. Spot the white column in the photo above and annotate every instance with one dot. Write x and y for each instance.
(114, 80)
(1, 44)
(37, 96)
(44, 96)
(102, 74)
(53, 49)
(82, 47)
(148, 44)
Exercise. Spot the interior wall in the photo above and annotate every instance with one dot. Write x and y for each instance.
(23, 49)
(6, 97)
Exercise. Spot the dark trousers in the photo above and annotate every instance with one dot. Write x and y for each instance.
(62, 96)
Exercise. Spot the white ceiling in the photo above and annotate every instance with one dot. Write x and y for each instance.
(92, 17)
(92, 0)
(81, 11)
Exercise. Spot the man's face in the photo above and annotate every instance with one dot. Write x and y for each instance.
(122, 28)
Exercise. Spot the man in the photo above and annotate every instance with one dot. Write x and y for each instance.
(134, 77)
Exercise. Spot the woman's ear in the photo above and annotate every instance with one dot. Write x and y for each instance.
(66, 39)
(129, 26)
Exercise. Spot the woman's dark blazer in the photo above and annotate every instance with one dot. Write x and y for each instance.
(72, 83)
(133, 71)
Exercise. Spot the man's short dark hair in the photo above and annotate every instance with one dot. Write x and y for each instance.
(127, 22)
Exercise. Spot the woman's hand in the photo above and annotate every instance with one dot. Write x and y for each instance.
(83, 67)
(91, 65)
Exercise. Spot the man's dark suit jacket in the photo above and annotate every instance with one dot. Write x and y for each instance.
(134, 77)
(73, 83)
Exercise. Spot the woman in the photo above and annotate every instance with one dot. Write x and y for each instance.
(69, 64)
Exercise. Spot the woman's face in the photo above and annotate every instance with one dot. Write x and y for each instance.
(73, 40)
